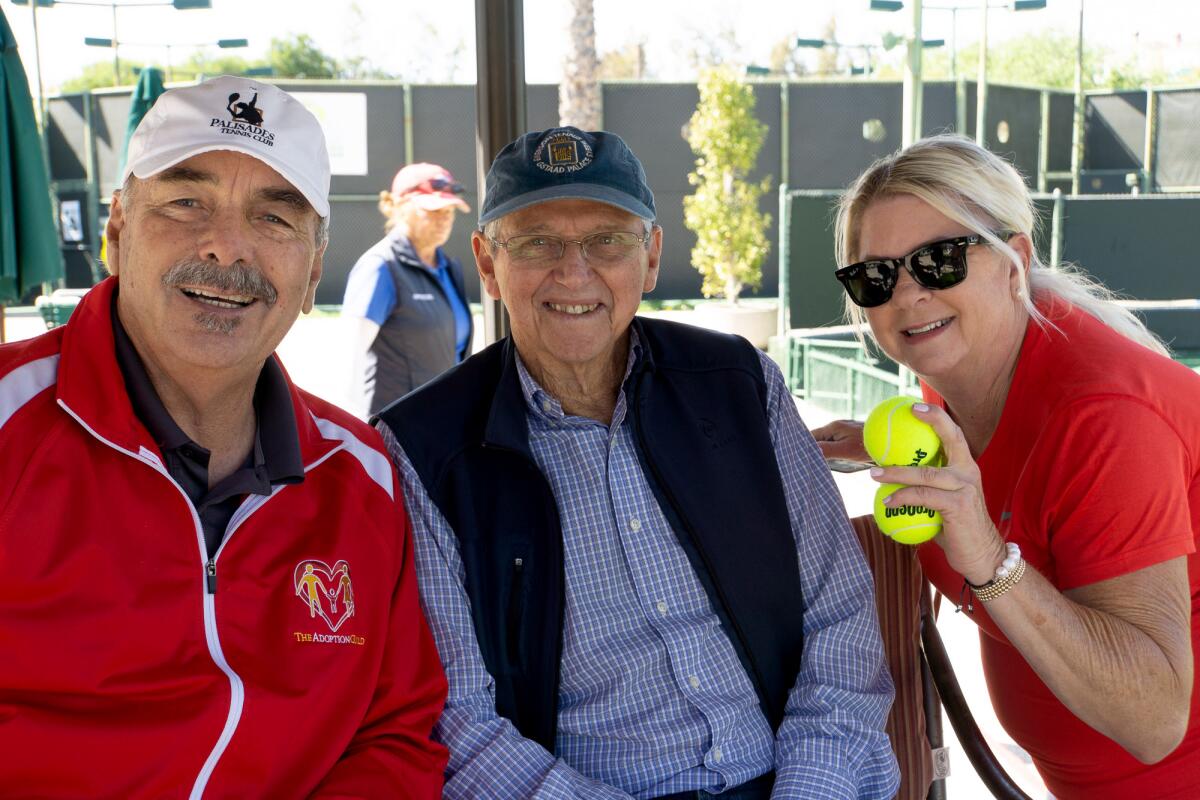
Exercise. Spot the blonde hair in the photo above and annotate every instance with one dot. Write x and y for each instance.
(981, 191)
(387, 206)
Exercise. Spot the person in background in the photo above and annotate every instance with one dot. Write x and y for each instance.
(1071, 492)
(178, 520)
(410, 320)
(639, 573)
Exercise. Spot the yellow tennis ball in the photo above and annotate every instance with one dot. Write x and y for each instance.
(894, 437)
(905, 524)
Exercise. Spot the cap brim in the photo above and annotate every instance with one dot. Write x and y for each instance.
(437, 201)
(571, 191)
(149, 167)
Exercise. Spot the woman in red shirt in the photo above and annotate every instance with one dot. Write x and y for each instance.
(1071, 491)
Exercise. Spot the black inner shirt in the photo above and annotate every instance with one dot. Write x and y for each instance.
(274, 460)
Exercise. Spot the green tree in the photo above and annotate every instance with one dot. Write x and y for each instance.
(827, 57)
(1129, 75)
(731, 233)
(785, 58)
(299, 57)
(296, 56)
(625, 63)
(713, 42)
(100, 76)
(199, 66)
(1044, 59)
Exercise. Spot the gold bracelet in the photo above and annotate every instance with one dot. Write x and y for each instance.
(998, 586)
(1008, 574)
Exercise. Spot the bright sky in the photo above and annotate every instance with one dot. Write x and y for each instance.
(436, 38)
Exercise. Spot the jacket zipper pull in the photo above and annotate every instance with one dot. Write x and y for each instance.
(210, 579)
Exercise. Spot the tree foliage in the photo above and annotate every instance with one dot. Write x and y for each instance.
(100, 75)
(295, 56)
(299, 57)
(627, 62)
(1045, 59)
(786, 59)
(827, 57)
(200, 66)
(731, 232)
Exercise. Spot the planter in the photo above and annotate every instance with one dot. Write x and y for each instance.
(755, 320)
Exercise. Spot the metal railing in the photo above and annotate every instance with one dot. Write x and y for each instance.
(837, 374)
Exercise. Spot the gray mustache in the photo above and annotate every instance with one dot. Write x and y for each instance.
(235, 279)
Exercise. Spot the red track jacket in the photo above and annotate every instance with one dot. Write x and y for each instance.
(308, 671)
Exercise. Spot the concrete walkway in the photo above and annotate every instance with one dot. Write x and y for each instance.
(316, 354)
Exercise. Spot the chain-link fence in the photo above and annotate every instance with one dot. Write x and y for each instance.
(820, 136)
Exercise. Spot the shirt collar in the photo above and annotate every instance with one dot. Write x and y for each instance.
(276, 440)
(543, 405)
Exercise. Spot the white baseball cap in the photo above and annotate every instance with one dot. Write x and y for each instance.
(238, 114)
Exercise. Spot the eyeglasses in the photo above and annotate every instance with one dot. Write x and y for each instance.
(938, 265)
(606, 247)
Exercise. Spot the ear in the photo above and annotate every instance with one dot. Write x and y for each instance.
(314, 277)
(485, 264)
(112, 234)
(652, 259)
(1024, 247)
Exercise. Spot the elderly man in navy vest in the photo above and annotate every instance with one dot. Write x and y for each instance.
(637, 569)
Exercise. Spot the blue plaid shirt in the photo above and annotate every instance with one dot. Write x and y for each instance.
(653, 698)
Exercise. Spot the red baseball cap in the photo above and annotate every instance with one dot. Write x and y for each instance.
(429, 186)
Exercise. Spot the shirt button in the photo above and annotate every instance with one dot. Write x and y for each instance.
(635, 524)
(717, 754)
(662, 607)
(694, 682)
(547, 406)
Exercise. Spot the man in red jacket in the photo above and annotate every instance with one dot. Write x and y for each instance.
(206, 581)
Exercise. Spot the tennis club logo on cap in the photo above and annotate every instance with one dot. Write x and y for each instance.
(246, 119)
(561, 150)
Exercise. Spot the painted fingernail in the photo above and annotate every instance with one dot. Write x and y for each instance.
(920, 407)
(876, 472)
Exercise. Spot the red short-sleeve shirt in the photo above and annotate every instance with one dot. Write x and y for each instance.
(1094, 470)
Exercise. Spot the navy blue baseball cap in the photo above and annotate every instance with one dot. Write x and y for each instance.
(566, 163)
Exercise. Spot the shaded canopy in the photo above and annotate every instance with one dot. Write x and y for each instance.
(149, 87)
(30, 253)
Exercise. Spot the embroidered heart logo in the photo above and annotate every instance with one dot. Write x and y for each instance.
(325, 590)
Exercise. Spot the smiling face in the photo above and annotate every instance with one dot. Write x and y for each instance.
(956, 335)
(571, 316)
(216, 257)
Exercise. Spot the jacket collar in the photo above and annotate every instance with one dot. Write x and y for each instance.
(92, 388)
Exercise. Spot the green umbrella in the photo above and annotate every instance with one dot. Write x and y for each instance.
(149, 87)
(29, 246)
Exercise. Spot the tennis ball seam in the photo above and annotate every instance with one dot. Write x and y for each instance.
(889, 431)
(887, 453)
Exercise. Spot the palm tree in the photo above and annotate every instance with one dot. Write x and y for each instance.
(579, 90)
